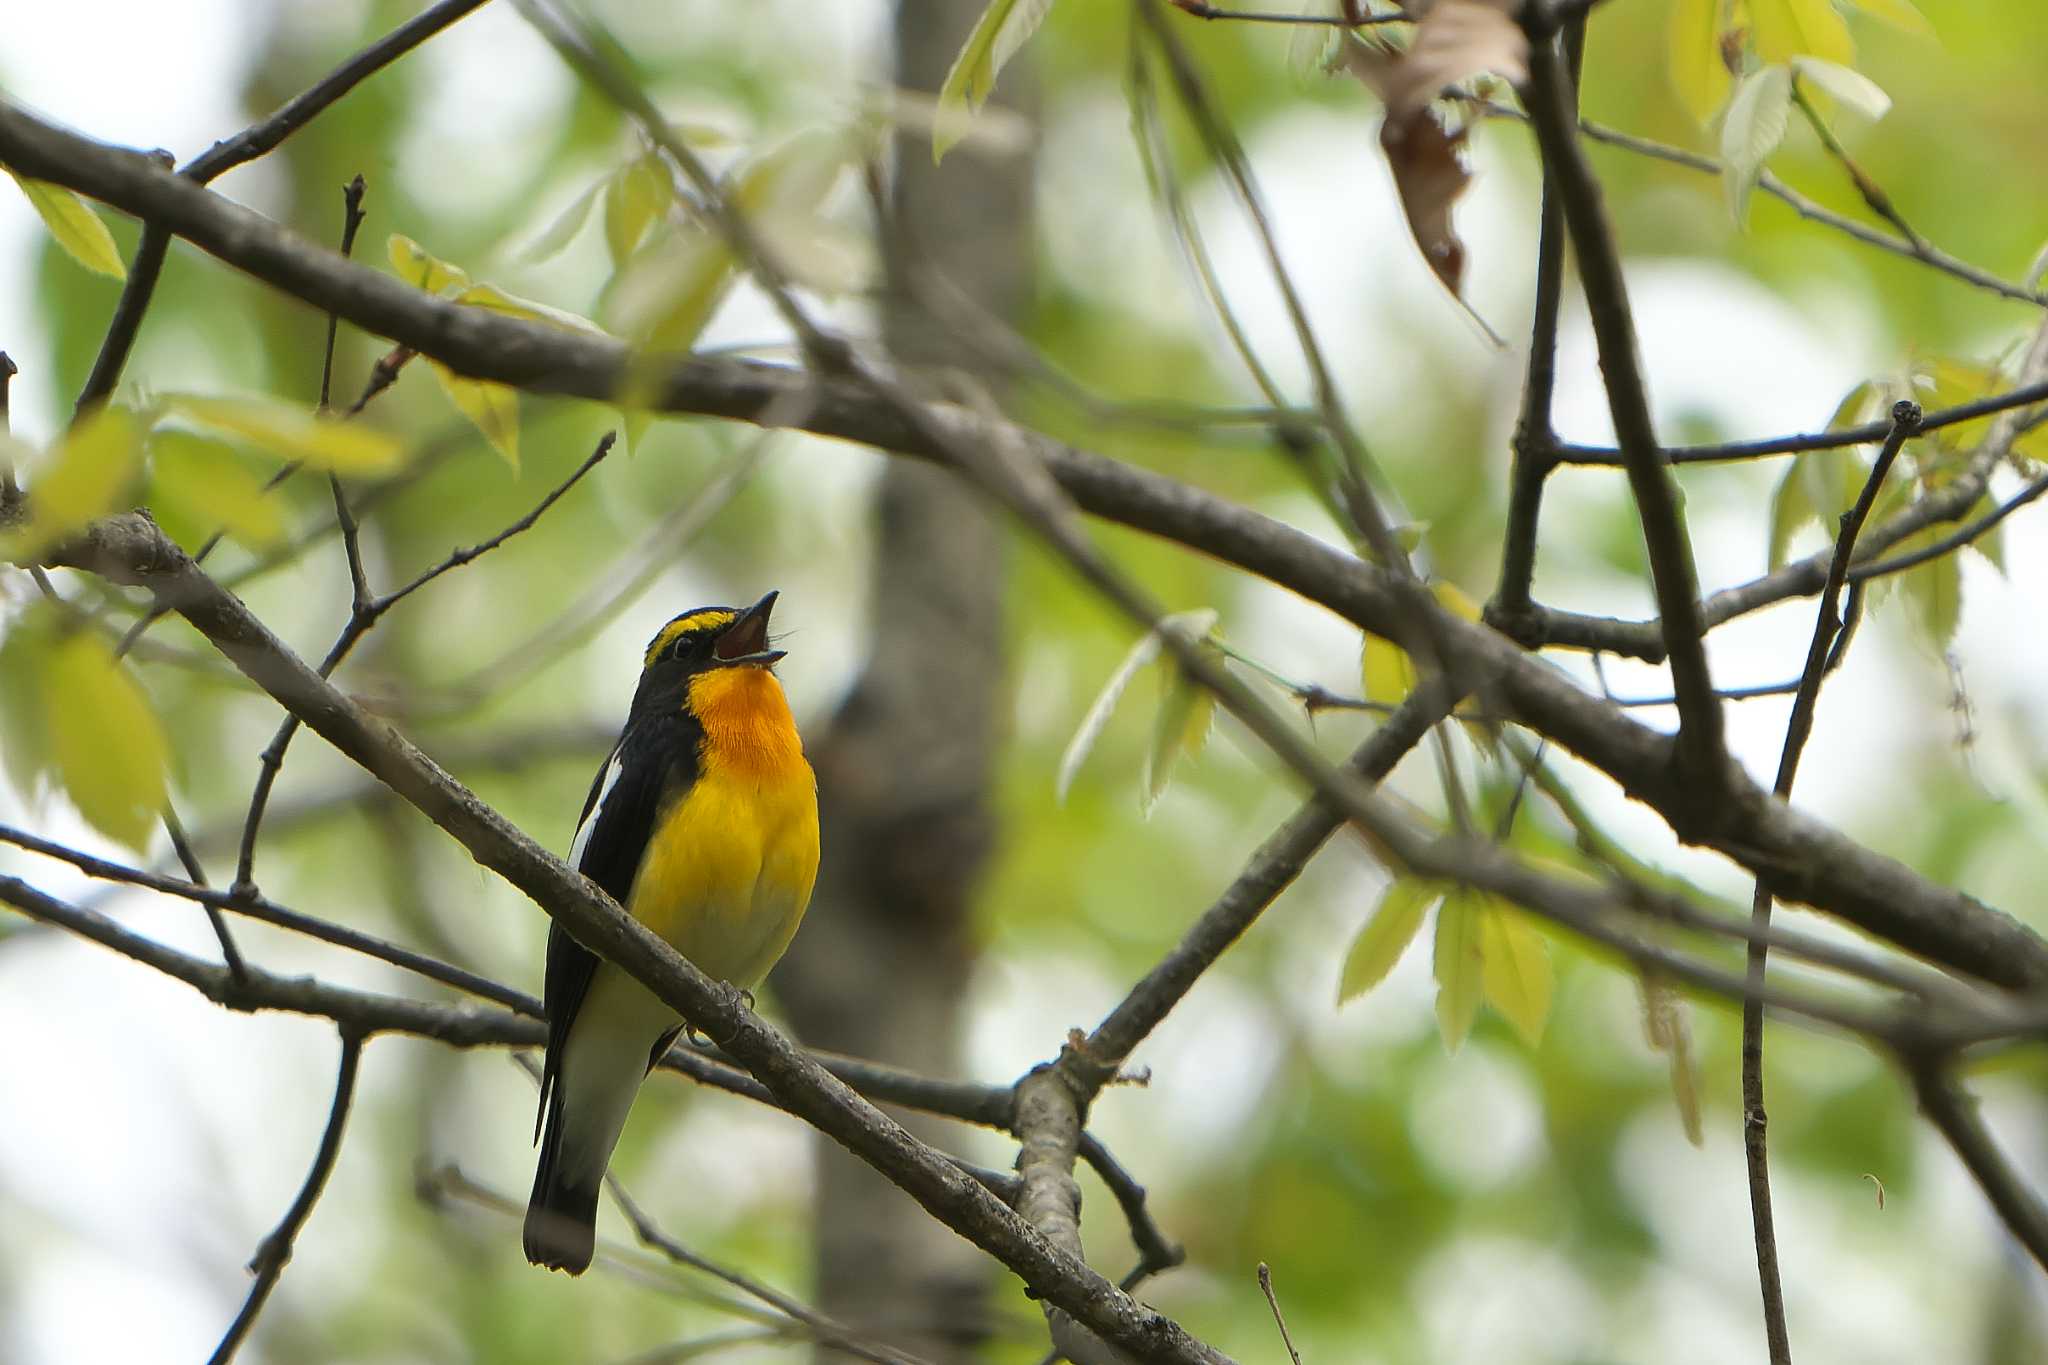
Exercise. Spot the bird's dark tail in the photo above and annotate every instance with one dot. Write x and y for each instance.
(561, 1217)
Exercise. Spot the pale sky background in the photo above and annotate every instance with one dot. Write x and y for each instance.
(147, 1139)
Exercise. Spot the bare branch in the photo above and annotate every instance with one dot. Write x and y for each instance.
(275, 1251)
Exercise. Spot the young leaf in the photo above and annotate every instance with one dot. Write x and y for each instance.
(1784, 29)
(105, 740)
(1004, 27)
(24, 732)
(493, 299)
(1459, 964)
(75, 226)
(1935, 590)
(1900, 14)
(493, 408)
(556, 236)
(1515, 969)
(422, 269)
(669, 291)
(286, 432)
(1195, 623)
(1386, 935)
(1698, 73)
(1182, 725)
(1851, 89)
(1791, 508)
(82, 478)
(198, 486)
(1664, 1024)
(637, 193)
(1756, 123)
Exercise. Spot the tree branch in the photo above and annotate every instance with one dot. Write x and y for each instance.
(275, 1251)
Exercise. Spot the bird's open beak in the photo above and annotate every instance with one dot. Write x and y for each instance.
(745, 641)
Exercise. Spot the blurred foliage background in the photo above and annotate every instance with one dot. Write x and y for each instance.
(1503, 1202)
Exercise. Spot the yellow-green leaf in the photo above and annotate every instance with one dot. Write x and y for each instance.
(1386, 935)
(493, 408)
(1195, 623)
(493, 299)
(556, 236)
(1935, 590)
(1791, 508)
(105, 740)
(1697, 72)
(75, 226)
(198, 486)
(637, 194)
(287, 432)
(1755, 125)
(1003, 28)
(1459, 964)
(422, 269)
(81, 478)
(1783, 29)
(1385, 671)
(24, 731)
(1900, 14)
(1515, 969)
(1181, 726)
(667, 294)
(1850, 89)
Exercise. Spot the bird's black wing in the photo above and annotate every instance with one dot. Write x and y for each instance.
(612, 833)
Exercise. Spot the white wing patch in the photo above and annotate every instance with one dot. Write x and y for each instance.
(611, 779)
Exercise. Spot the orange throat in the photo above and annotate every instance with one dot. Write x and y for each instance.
(747, 725)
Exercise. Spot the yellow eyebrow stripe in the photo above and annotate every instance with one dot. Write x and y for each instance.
(683, 625)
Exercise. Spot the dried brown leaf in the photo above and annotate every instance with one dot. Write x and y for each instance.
(1429, 174)
(1456, 40)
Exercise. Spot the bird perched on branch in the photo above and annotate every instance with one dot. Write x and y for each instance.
(703, 824)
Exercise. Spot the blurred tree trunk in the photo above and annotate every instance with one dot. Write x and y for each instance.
(905, 769)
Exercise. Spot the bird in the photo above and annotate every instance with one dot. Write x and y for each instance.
(703, 824)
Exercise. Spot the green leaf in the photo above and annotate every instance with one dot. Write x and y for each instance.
(76, 227)
(667, 294)
(1186, 710)
(1003, 28)
(1756, 123)
(82, 478)
(107, 745)
(1386, 935)
(495, 300)
(24, 733)
(1197, 622)
(1459, 964)
(1935, 590)
(1784, 29)
(1850, 89)
(198, 486)
(493, 408)
(1385, 670)
(1515, 968)
(286, 432)
(636, 195)
(1900, 14)
(1698, 73)
(422, 269)
(556, 236)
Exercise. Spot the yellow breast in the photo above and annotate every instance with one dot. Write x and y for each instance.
(730, 866)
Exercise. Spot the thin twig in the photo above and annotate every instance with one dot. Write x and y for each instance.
(1273, 1302)
(275, 1251)
(1954, 1113)
(1201, 10)
(1827, 627)
(230, 953)
(1873, 194)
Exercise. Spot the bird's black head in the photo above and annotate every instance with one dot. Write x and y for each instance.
(713, 637)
